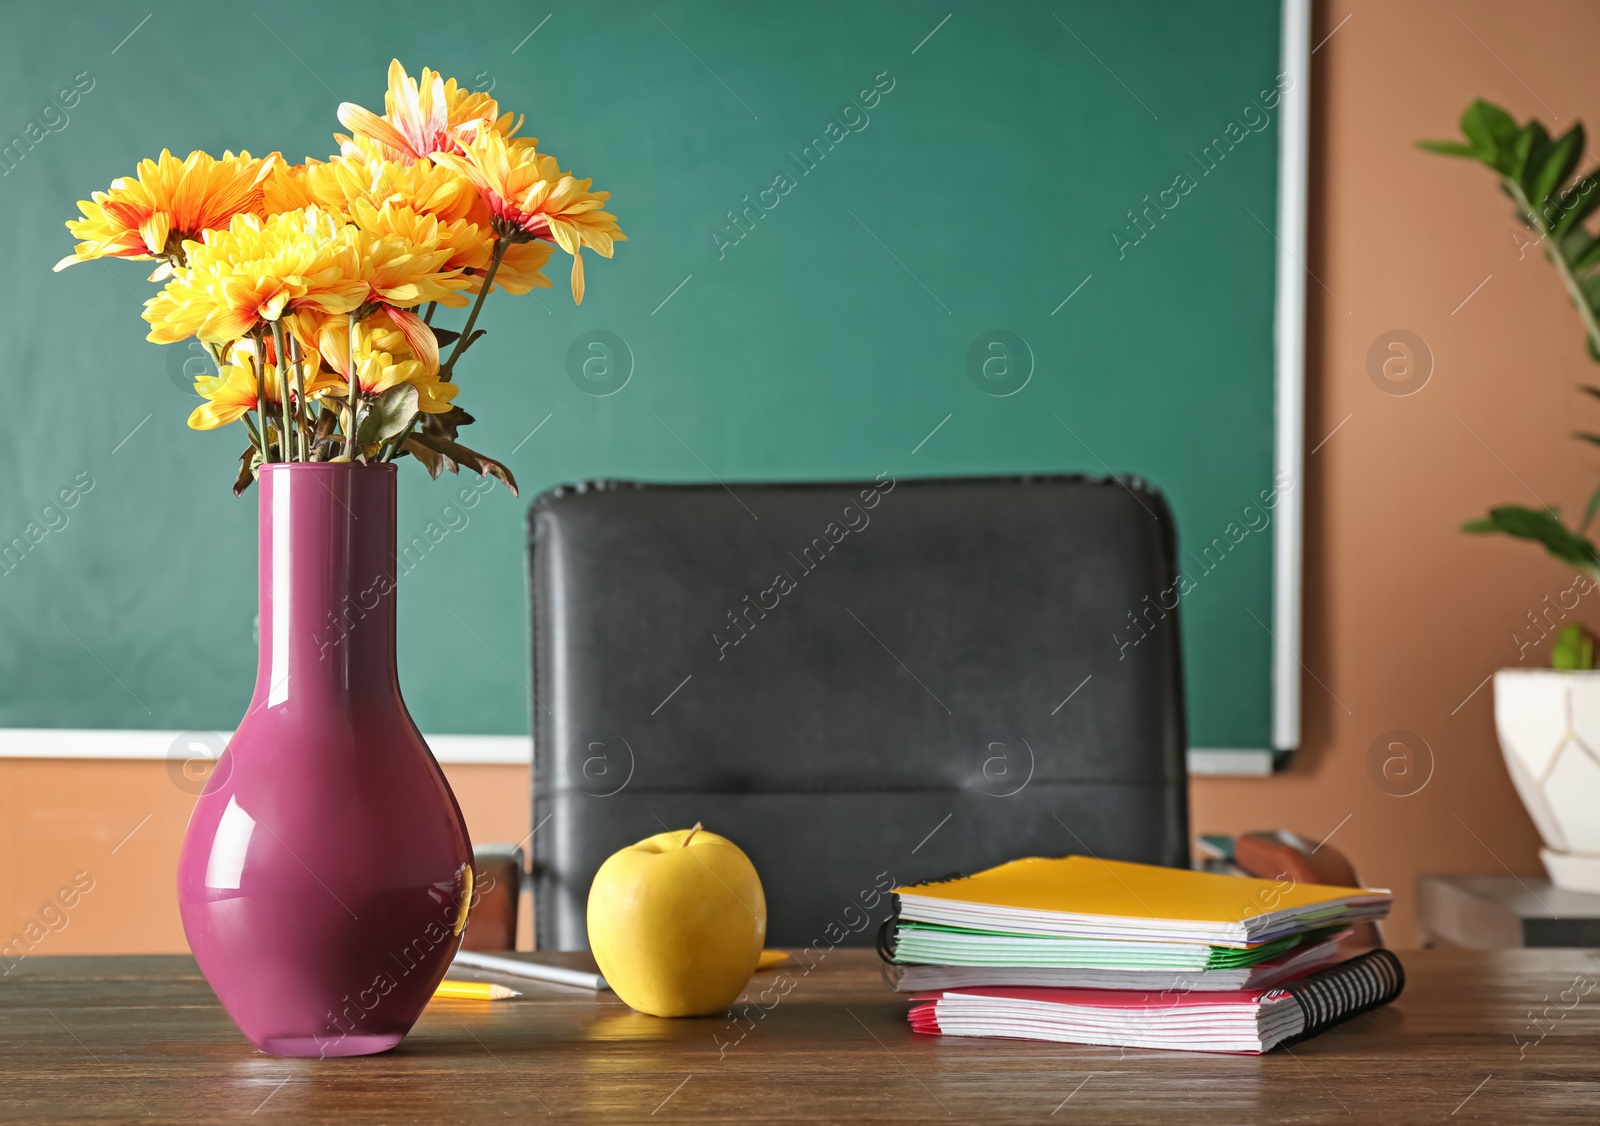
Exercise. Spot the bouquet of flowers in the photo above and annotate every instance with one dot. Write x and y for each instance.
(314, 286)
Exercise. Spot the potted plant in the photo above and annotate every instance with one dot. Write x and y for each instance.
(1548, 719)
(326, 873)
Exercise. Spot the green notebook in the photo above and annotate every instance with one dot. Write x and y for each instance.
(932, 944)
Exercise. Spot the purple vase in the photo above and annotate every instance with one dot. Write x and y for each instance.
(326, 871)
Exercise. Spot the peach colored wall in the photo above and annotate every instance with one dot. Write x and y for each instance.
(120, 823)
(1404, 615)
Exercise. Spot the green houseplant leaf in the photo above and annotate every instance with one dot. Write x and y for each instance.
(1576, 204)
(1573, 649)
(1534, 171)
(1542, 526)
(1527, 153)
(1491, 132)
(1589, 510)
(1558, 164)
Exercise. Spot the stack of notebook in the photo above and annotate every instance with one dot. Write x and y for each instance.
(1105, 952)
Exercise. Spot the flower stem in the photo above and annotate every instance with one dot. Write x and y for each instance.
(283, 389)
(303, 415)
(355, 388)
(500, 247)
(462, 341)
(261, 398)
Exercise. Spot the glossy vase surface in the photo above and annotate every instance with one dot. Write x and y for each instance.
(326, 871)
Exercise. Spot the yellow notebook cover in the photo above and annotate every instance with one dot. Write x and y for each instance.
(1084, 885)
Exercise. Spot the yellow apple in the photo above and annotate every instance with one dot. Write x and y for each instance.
(676, 923)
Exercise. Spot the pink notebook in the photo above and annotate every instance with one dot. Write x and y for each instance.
(1244, 1020)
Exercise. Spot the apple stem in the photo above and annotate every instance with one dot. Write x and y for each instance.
(692, 832)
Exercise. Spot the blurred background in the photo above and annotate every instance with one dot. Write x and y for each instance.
(824, 341)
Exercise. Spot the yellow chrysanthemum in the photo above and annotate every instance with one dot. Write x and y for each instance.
(422, 118)
(233, 393)
(257, 270)
(287, 187)
(421, 185)
(169, 201)
(531, 198)
(465, 244)
(402, 273)
(470, 247)
(383, 360)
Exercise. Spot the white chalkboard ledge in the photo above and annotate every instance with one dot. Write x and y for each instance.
(1234, 762)
(454, 750)
(184, 746)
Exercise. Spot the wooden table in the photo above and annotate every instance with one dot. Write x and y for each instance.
(128, 1039)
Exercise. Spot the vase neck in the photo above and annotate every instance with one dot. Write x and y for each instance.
(327, 583)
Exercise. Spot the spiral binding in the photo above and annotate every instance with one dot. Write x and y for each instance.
(886, 938)
(1345, 991)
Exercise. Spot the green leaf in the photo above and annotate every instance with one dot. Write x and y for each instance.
(1541, 526)
(1573, 649)
(1528, 153)
(431, 460)
(249, 462)
(1447, 148)
(1576, 204)
(447, 424)
(389, 414)
(1575, 243)
(450, 336)
(1589, 510)
(455, 454)
(1491, 133)
(1585, 436)
(323, 440)
(1590, 256)
(1554, 168)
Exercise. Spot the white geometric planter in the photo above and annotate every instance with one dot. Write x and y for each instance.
(1548, 721)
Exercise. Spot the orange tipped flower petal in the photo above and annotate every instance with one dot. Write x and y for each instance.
(287, 187)
(521, 267)
(384, 359)
(424, 345)
(233, 393)
(422, 117)
(167, 202)
(529, 197)
(365, 123)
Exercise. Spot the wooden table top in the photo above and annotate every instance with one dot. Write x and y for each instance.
(1506, 1036)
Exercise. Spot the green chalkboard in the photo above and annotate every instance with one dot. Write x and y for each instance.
(853, 229)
